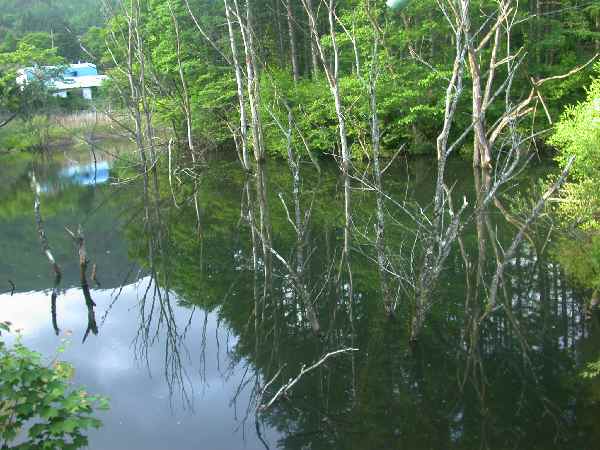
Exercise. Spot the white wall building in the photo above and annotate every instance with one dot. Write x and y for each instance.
(81, 76)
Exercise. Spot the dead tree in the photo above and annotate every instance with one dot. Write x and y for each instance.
(511, 250)
(505, 144)
(240, 87)
(79, 240)
(45, 249)
(332, 74)
(446, 224)
(186, 103)
(377, 173)
(313, 47)
(204, 34)
(370, 81)
(127, 40)
(298, 221)
(287, 387)
(292, 38)
(246, 24)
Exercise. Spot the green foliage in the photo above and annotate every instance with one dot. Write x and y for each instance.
(24, 101)
(577, 134)
(415, 57)
(581, 261)
(36, 399)
(95, 45)
(592, 370)
(60, 21)
(21, 135)
(313, 112)
(36, 33)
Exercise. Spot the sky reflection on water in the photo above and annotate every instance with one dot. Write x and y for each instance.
(144, 413)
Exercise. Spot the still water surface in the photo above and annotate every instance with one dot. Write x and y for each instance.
(192, 323)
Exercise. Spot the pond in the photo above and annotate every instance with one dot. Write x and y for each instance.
(192, 330)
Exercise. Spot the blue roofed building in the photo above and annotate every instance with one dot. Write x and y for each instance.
(74, 77)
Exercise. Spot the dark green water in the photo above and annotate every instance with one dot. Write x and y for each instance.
(193, 320)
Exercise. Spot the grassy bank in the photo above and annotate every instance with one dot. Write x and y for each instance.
(46, 132)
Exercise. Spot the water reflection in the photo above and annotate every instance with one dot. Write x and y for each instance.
(87, 174)
(219, 292)
(61, 176)
(143, 413)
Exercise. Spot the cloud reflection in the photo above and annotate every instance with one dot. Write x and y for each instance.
(143, 414)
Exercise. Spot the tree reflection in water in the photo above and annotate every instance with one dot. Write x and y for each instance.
(265, 253)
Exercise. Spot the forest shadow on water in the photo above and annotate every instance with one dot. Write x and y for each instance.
(229, 310)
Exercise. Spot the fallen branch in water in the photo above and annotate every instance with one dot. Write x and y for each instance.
(83, 263)
(46, 250)
(283, 390)
(40, 228)
(53, 314)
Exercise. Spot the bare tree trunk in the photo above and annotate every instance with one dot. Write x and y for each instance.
(436, 244)
(375, 139)
(297, 272)
(250, 218)
(186, 97)
(301, 232)
(332, 74)
(253, 85)
(440, 233)
(46, 249)
(134, 90)
(264, 224)
(292, 37)
(480, 191)
(511, 250)
(481, 151)
(313, 50)
(280, 45)
(141, 60)
(240, 88)
(85, 287)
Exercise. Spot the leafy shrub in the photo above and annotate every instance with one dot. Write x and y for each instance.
(38, 407)
(578, 133)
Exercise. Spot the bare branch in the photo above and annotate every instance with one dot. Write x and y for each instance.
(283, 390)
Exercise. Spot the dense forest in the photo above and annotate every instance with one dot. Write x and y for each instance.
(49, 24)
(223, 69)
